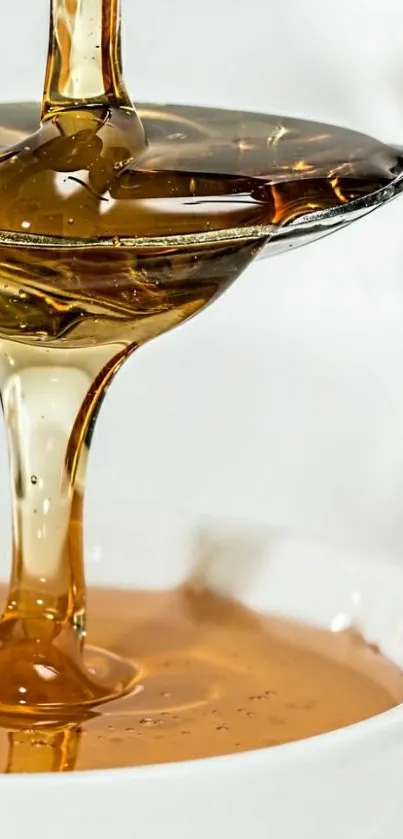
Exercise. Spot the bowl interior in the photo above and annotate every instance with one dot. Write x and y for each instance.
(331, 586)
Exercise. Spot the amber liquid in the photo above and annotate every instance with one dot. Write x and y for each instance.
(116, 226)
(99, 248)
(213, 678)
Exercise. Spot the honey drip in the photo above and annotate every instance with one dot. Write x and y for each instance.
(115, 226)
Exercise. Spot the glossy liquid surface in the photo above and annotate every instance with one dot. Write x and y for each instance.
(115, 226)
(202, 172)
(97, 249)
(213, 679)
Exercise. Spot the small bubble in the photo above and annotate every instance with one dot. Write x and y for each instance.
(185, 733)
(166, 694)
(130, 730)
(116, 242)
(70, 221)
(148, 722)
(222, 727)
(34, 479)
(277, 720)
(250, 714)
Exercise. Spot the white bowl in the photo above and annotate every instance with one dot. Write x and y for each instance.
(344, 785)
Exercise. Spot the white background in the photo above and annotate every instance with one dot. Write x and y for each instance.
(285, 400)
